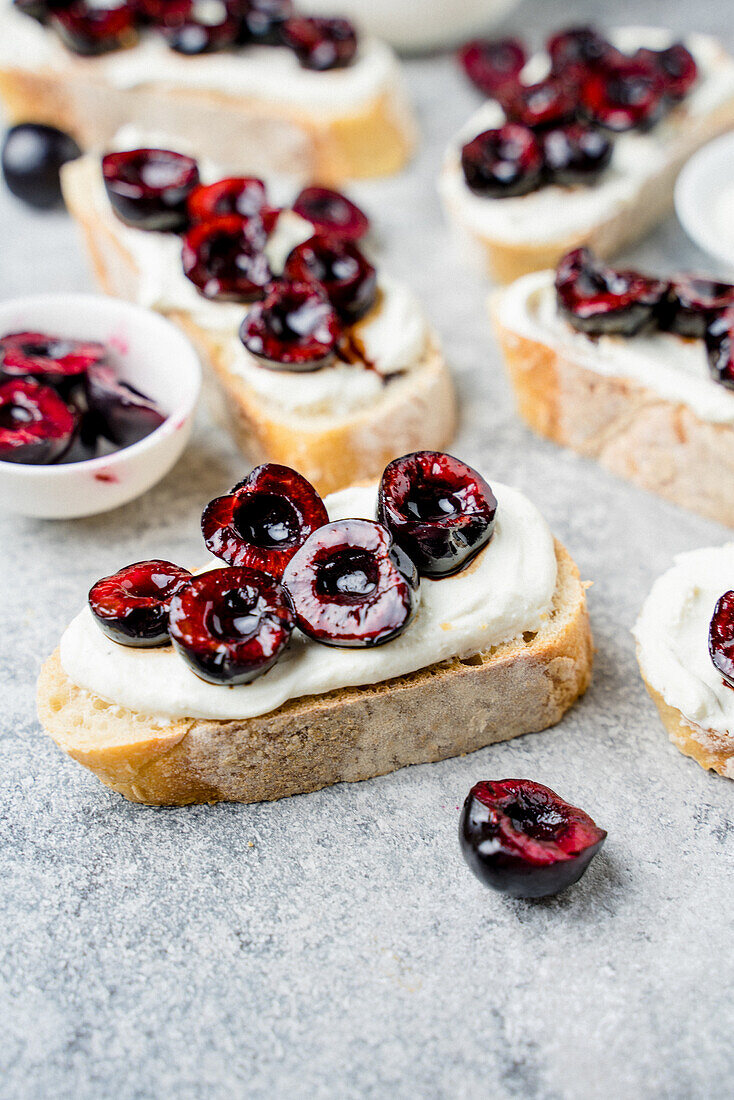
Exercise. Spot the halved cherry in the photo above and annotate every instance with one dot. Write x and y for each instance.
(549, 102)
(242, 195)
(721, 637)
(264, 520)
(320, 43)
(198, 26)
(491, 64)
(578, 49)
(521, 838)
(719, 339)
(52, 360)
(331, 212)
(225, 260)
(576, 153)
(294, 328)
(231, 625)
(439, 510)
(599, 300)
(694, 301)
(91, 27)
(131, 606)
(36, 426)
(504, 162)
(624, 95)
(117, 410)
(340, 268)
(149, 188)
(262, 21)
(351, 585)
(676, 66)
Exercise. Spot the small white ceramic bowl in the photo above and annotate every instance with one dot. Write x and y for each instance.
(704, 198)
(150, 354)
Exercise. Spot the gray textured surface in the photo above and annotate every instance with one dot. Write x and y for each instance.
(334, 945)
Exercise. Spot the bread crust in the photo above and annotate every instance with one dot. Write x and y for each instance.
(347, 735)
(660, 445)
(710, 749)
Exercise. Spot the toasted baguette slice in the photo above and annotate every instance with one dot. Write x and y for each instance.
(454, 707)
(417, 411)
(707, 747)
(506, 256)
(660, 444)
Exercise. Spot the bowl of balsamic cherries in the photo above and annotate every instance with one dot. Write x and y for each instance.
(97, 398)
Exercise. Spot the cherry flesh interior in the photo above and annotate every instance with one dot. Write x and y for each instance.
(331, 212)
(119, 411)
(36, 426)
(56, 361)
(492, 64)
(676, 67)
(600, 300)
(294, 328)
(503, 163)
(694, 301)
(719, 339)
(340, 268)
(149, 188)
(225, 260)
(624, 95)
(721, 637)
(320, 43)
(131, 606)
(575, 154)
(242, 195)
(95, 27)
(198, 26)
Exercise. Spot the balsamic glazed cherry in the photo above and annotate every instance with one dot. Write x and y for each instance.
(340, 268)
(575, 153)
(224, 258)
(294, 328)
(503, 162)
(262, 21)
(492, 64)
(721, 637)
(522, 839)
(319, 43)
(331, 212)
(116, 410)
(242, 195)
(438, 509)
(264, 520)
(694, 301)
(231, 625)
(550, 102)
(198, 26)
(623, 95)
(149, 188)
(131, 606)
(32, 158)
(675, 66)
(53, 360)
(577, 49)
(351, 586)
(719, 339)
(36, 426)
(599, 300)
(91, 27)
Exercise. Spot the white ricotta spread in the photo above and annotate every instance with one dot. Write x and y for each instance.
(672, 366)
(555, 213)
(672, 637)
(507, 590)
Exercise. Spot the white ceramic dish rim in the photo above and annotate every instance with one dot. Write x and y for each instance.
(180, 412)
(692, 206)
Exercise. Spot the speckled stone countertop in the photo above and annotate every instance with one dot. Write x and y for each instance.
(335, 945)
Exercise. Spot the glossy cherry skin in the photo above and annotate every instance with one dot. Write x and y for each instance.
(52, 360)
(231, 625)
(438, 509)
(575, 154)
(721, 637)
(522, 839)
(36, 426)
(694, 301)
(32, 158)
(719, 340)
(676, 67)
(576, 50)
(624, 95)
(224, 258)
(198, 26)
(120, 412)
(491, 64)
(600, 300)
(331, 212)
(320, 44)
(340, 268)
(550, 102)
(131, 606)
(262, 21)
(91, 28)
(149, 188)
(241, 195)
(504, 162)
(351, 586)
(264, 520)
(294, 328)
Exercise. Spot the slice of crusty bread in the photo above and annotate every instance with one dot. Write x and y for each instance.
(660, 445)
(454, 707)
(416, 412)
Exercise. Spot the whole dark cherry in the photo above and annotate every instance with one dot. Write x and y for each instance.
(504, 162)
(577, 49)
(721, 637)
(294, 328)
(224, 258)
(242, 195)
(351, 586)
(439, 510)
(231, 625)
(32, 158)
(719, 340)
(676, 67)
(693, 301)
(118, 411)
(264, 520)
(491, 64)
(149, 188)
(331, 212)
(624, 95)
(522, 839)
(599, 300)
(575, 154)
(319, 43)
(36, 426)
(198, 26)
(261, 21)
(341, 269)
(92, 27)
(52, 360)
(550, 102)
(131, 606)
